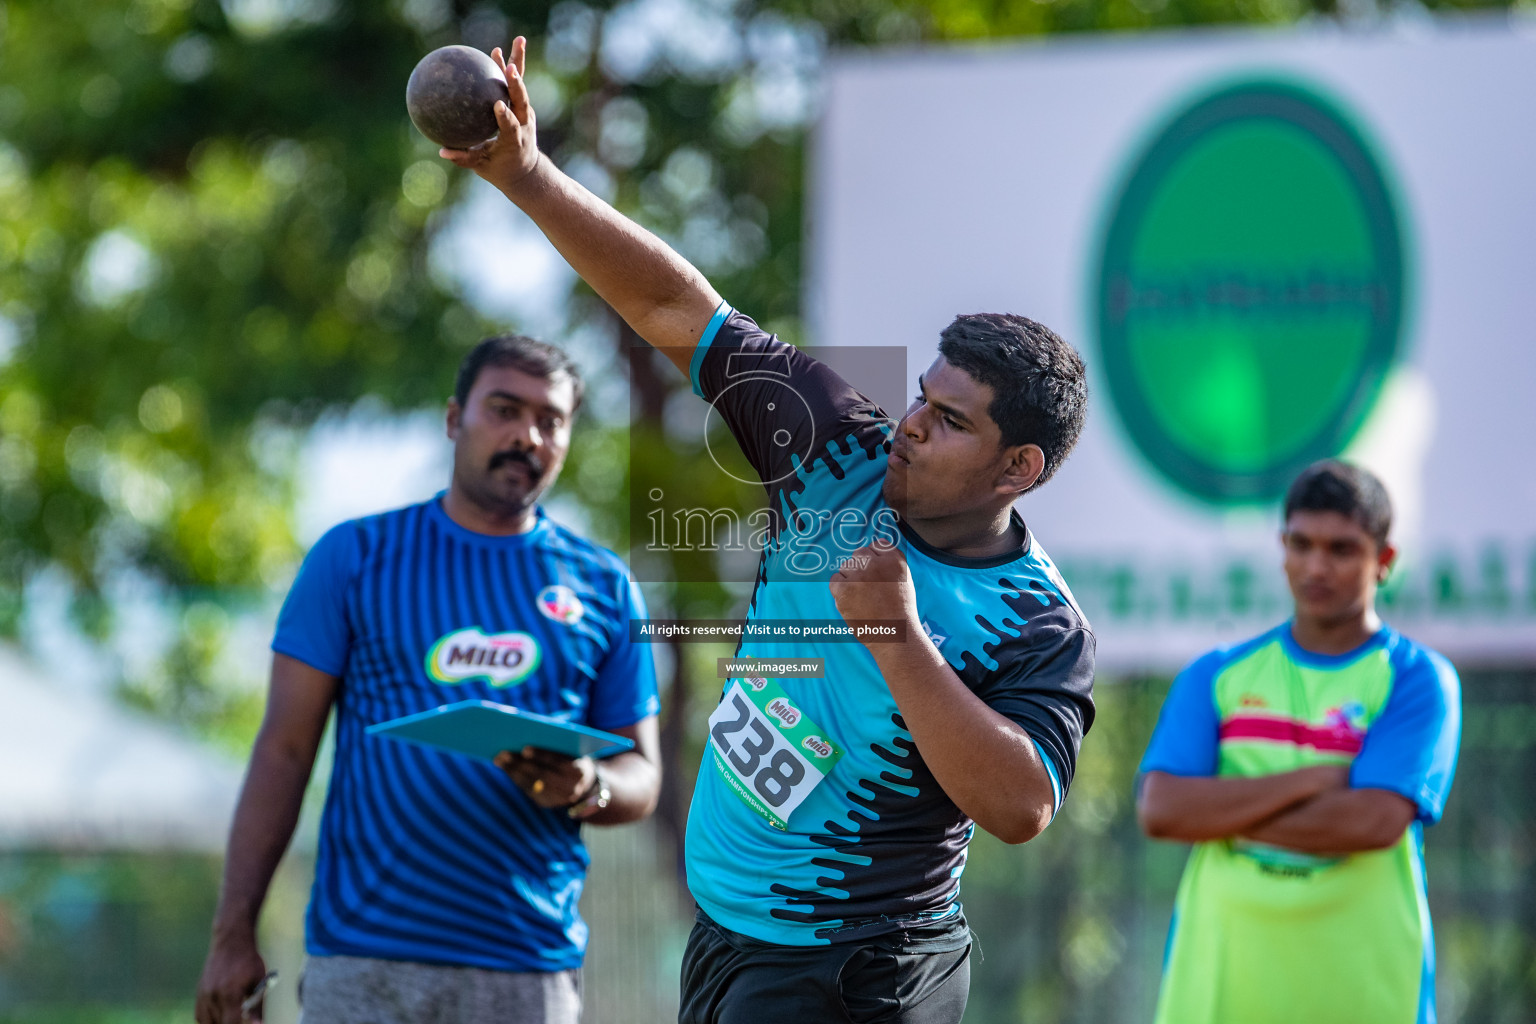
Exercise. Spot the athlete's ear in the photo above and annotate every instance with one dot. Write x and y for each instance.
(1386, 555)
(455, 416)
(1025, 464)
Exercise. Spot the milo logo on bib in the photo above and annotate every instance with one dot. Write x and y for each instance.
(817, 746)
(501, 659)
(787, 714)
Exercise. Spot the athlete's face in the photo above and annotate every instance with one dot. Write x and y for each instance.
(510, 437)
(947, 456)
(1333, 566)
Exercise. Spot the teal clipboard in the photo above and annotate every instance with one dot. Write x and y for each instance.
(482, 729)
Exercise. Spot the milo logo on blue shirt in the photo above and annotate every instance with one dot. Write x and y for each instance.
(501, 659)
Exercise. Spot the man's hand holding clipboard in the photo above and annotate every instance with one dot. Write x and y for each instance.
(552, 761)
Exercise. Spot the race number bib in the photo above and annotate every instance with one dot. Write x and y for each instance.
(770, 754)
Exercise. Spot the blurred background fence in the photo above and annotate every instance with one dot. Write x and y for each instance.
(1070, 926)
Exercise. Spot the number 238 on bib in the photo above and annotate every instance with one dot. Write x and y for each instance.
(768, 751)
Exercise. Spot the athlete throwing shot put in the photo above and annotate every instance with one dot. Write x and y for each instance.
(831, 818)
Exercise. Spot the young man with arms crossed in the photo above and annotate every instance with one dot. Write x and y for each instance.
(830, 822)
(446, 889)
(1304, 765)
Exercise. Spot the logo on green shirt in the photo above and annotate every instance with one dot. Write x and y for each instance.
(1250, 293)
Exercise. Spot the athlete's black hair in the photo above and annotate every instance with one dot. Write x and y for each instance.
(1040, 392)
(523, 353)
(1335, 486)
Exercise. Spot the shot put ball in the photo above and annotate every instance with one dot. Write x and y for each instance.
(452, 94)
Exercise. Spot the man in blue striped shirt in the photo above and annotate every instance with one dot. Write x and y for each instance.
(446, 889)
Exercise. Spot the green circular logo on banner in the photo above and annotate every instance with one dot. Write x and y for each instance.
(1249, 298)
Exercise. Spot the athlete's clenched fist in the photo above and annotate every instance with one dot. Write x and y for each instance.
(874, 583)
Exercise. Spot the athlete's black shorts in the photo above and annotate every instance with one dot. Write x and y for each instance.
(918, 976)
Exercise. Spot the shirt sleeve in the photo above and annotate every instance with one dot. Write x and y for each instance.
(1048, 692)
(625, 689)
(1185, 741)
(781, 405)
(1411, 748)
(313, 626)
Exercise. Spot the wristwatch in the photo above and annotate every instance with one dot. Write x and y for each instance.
(597, 797)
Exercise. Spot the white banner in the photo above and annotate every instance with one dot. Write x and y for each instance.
(1270, 247)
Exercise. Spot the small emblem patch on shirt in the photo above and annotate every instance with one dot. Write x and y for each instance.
(560, 603)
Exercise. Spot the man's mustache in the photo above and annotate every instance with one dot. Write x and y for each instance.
(531, 462)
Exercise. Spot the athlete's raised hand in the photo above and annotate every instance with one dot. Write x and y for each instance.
(664, 298)
(514, 152)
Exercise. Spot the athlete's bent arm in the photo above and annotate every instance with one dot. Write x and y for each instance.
(984, 762)
(661, 295)
(1193, 809)
(282, 758)
(1340, 821)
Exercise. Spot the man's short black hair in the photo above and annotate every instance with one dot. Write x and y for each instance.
(1040, 391)
(532, 357)
(1335, 486)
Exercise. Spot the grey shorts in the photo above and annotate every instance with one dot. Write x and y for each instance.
(356, 990)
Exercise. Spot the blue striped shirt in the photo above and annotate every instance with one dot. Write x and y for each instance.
(433, 857)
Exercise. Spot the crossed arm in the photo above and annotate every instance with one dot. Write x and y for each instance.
(1310, 809)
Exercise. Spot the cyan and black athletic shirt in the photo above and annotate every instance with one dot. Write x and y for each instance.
(814, 819)
(433, 857)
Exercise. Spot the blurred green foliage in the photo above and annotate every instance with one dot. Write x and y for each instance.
(92, 937)
(207, 238)
(208, 234)
(109, 929)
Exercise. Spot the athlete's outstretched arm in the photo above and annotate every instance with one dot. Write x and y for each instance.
(1193, 809)
(298, 703)
(660, 294)
(1340, 821)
